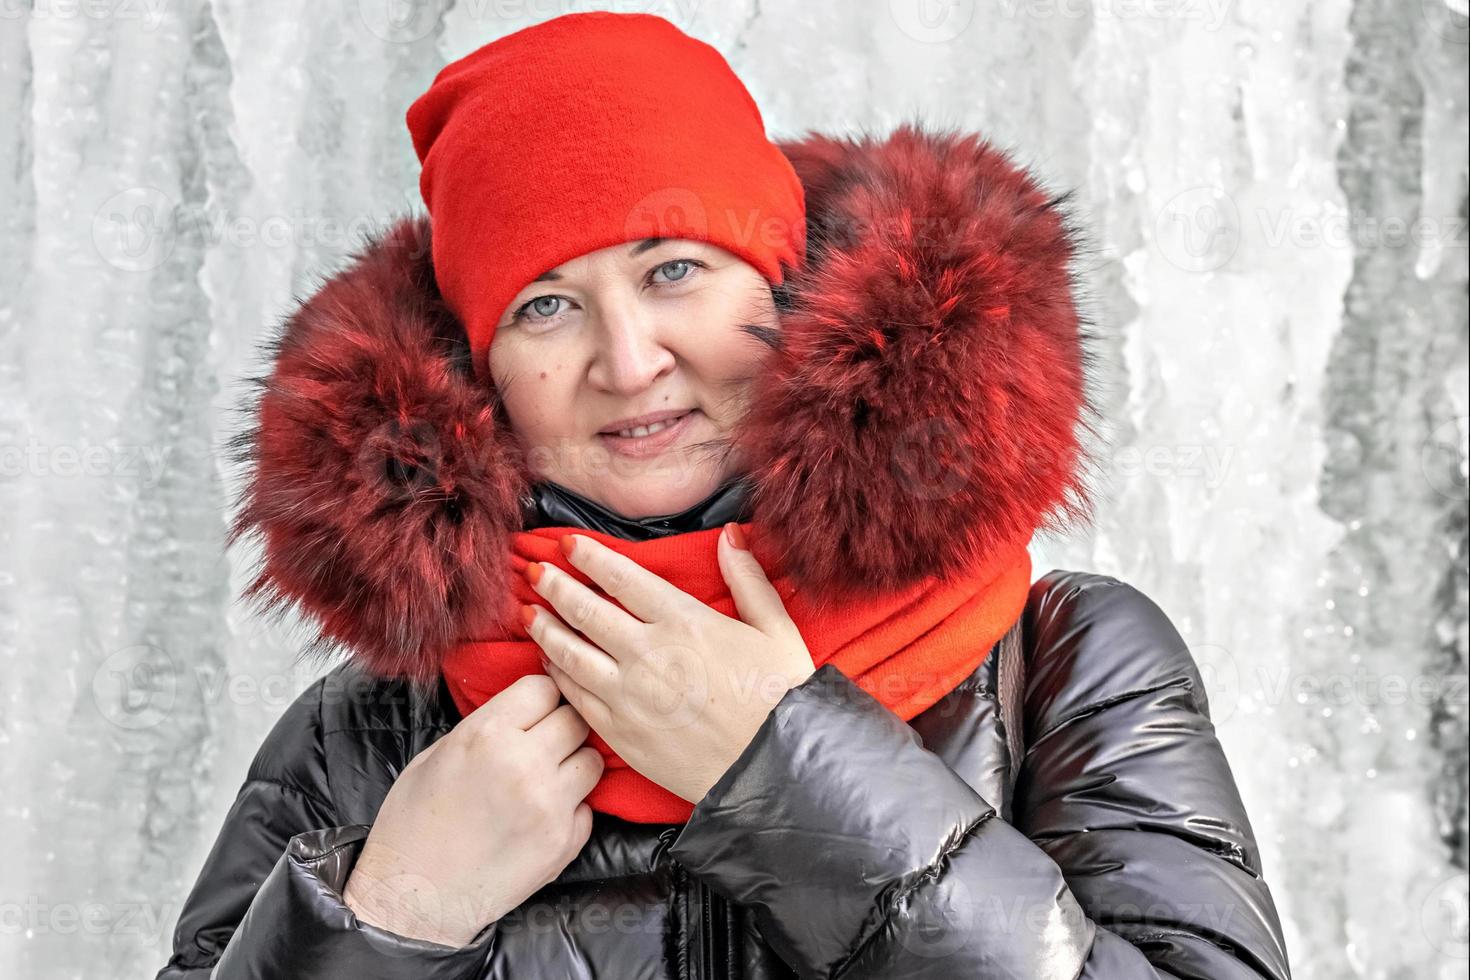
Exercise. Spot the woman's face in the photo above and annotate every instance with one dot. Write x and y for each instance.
(636, 329)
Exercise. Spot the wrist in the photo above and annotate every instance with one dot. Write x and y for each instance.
(702, 779)
(407, 905)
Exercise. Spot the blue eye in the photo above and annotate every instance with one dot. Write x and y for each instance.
(539, 310)
(684, 266)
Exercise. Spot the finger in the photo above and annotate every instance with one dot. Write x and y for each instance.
(592, 615)
(522, 703)
(424, 754)
(644, 594)
(588, 705)
(587, 664)
(756, 599)
(563, 731)
(582, 822)
(581, 771)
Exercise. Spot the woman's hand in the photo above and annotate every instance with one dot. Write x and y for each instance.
(480, 820)
(675, 688)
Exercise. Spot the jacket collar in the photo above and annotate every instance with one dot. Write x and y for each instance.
(553, 505)
(925, 402)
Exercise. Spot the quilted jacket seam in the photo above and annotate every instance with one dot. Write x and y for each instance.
(1225, 850)
(288, 787)
(930, 872)
(316, 859)
(618, 876)
(321, 745)
(388, 729)
(1102, 704)
(1158, 933)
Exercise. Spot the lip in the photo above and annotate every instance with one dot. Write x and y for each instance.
(637, 420)
(642, 447)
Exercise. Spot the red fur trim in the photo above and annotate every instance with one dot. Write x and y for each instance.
(927, 404)
(922, 407)
(382, 483)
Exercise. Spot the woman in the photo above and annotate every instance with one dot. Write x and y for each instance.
(764, 431)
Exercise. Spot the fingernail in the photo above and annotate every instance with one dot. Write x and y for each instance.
(734, 535)
(567, 544)
(533, 572)
(528, 614)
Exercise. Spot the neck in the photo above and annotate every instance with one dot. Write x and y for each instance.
(553, 505)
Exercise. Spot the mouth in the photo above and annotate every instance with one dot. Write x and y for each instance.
(651, 439)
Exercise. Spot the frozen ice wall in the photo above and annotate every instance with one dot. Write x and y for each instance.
(1275, 191)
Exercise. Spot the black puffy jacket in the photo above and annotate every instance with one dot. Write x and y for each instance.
(1121, 849)
(920, 401)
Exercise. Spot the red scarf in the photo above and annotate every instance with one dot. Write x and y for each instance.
(907, 649)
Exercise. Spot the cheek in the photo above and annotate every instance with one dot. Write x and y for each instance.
(726, 365)
(730, 357)
(727, 354)
(540, 399)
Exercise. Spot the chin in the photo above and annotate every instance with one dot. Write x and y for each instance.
(659, 494)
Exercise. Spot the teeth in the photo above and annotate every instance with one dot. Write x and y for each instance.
(638, 432)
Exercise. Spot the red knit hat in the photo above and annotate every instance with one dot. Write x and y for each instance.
(589, 130)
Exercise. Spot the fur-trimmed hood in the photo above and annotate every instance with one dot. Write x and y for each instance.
(926, 399)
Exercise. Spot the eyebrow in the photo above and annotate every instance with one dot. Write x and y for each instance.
(633, 253)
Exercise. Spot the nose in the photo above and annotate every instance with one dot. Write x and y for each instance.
(631, 354)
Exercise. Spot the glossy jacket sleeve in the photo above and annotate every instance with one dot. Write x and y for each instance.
(863, 855)
(268, 901)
